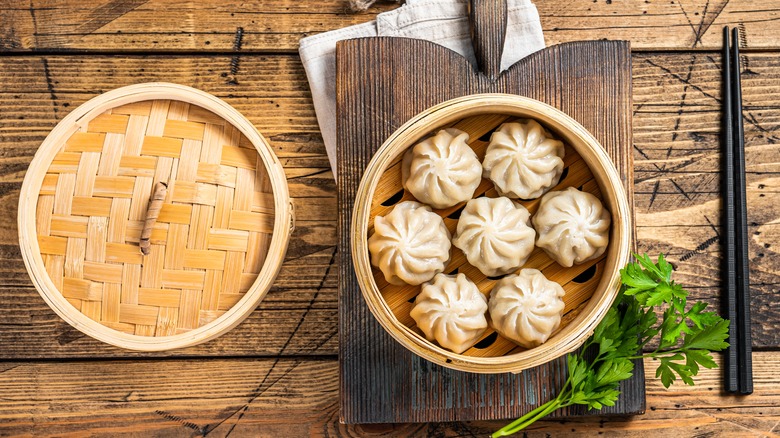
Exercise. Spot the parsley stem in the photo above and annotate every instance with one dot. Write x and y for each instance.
(656, 354)
(687, 337)
(524, 421)
(516, 425)
(645, 341)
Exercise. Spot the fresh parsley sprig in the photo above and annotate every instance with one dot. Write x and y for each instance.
(687, 339)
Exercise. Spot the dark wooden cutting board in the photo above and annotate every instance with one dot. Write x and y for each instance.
(382, 83)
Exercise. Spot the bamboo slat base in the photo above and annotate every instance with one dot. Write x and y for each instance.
(579, 281)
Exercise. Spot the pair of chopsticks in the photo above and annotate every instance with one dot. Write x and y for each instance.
(738, 360)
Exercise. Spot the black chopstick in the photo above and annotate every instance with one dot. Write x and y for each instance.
(730, 362)
(744, 347)
(738, 359)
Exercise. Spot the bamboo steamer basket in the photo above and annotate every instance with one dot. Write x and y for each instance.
(590, 287)
(220, 235)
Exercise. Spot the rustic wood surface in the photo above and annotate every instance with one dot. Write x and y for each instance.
(299, 397)
(277, 374)
(277, 25)
(590, 81)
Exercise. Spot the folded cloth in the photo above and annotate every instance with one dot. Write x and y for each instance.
(441, 21)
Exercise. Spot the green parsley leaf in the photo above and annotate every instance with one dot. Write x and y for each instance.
(694, 358)
(654, 269)
(636, 280)
(665, 268)
(684, 372)
(711, 337)
(699, 317)
(687, 340)
(665, 373)
(673, 327)
(665, 293)
(614, 371)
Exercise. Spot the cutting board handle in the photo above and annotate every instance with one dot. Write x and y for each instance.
(487, 19)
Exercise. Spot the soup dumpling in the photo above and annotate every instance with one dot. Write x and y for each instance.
(526, 308)
(451, 310)
(410, 244)
(523, 160)
(495, 234)
(442, 170)
(572, 226)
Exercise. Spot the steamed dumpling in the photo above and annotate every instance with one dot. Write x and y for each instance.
(523, 160)
(526, 308)
(442, 170)
(572, 226)
(410, 245)
(495, 234)
(451, 311)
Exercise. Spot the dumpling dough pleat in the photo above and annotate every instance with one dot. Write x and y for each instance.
(572, 226)
(442, 170)
(526, 308)
(495, 235)
(451, 311)
(523, 160)
(410, 244)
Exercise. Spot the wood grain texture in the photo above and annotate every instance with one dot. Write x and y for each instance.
(294, 397)
(277, 25)
(675, 134)
(487, 24)
(677, 177)
(378, 89)
(676, 123)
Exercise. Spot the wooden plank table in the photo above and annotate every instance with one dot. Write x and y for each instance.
(277, 373)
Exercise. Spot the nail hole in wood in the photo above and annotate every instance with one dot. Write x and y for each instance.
(394, 199)
(487, 342)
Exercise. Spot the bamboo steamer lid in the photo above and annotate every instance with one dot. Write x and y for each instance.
(221, 231)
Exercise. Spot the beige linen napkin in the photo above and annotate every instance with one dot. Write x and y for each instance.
(441, 21)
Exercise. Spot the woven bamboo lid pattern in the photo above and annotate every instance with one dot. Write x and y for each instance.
(219, 238)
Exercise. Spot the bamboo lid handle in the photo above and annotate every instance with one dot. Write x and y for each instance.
(487, 20)
(155, 205)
